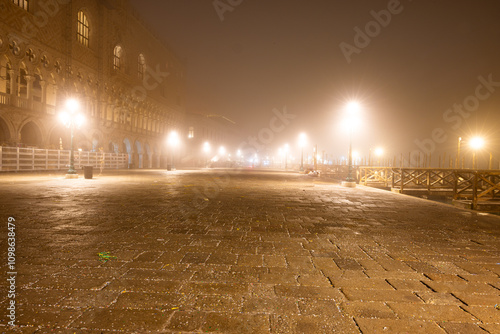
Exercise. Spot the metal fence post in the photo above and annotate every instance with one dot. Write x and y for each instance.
(402, 180)
(474, 191)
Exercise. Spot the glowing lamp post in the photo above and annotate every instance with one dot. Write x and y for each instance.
(355, 157)
(173, 142)
(222, 151)
(286, 156)
(378, 153)
(475, 143)
(458, 152)
(280, 154)
(70, 117)
(206, 150)
(240, 156)
(351, 120)
(302, 143)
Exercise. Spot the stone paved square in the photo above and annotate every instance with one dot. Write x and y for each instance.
(242, 251)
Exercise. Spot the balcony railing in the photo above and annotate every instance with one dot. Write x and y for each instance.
(4, 98)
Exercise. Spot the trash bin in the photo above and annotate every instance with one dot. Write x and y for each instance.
(88, 171)
(169, 167)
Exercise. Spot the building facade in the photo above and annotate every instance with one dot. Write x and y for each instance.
(130, 86)
(211, 138)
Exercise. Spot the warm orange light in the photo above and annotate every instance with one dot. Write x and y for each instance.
(173, 139)
(476, 143)
(379, 151)
(302, 139)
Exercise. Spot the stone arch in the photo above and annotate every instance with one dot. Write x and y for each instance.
(81, 141)
(156, 156)
(6, 132)
(36, 90)
(30, 134)
(112, 147)
(22, 83)
(96, 142)
(164, 155)
(50, 90)
(59, 138)
(138, 156)
(148, 156)
(109, 112)
(5, 67)
(127, 148)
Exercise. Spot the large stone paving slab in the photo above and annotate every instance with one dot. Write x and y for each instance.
(242, 251)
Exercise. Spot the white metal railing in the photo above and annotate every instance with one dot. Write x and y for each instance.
(4, 98)
(21, 102)
(34, 159)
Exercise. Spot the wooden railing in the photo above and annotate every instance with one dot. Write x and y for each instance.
(33, 159)
(477, 187)
(375, 176)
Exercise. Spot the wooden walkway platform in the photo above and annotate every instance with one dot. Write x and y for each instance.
(471, 188)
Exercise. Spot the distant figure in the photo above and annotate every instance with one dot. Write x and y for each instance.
(103, 155)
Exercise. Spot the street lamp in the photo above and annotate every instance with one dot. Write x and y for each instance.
(70, 117)
(458, 152)
(173, 141)
(238, 154)
(475, 143)
(206, 150)
(355, 157)
(280, 154)
(286, 156)
(302, 143)
(222, 151)
(379, 151)
(352, 109)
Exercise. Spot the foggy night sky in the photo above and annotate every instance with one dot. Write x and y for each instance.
(269, 54)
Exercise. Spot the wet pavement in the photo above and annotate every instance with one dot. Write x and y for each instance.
(241, 251)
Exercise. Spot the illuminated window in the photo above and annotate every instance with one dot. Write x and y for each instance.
(191, 132)
(141, 66)
(82, 33)
(24, 4)
(117, 58)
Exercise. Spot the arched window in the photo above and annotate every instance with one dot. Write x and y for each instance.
(6, 75)
(22, 83)
(37, 88)
(117, 58)
(24, 4)
(82, 32)
(141, 66)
